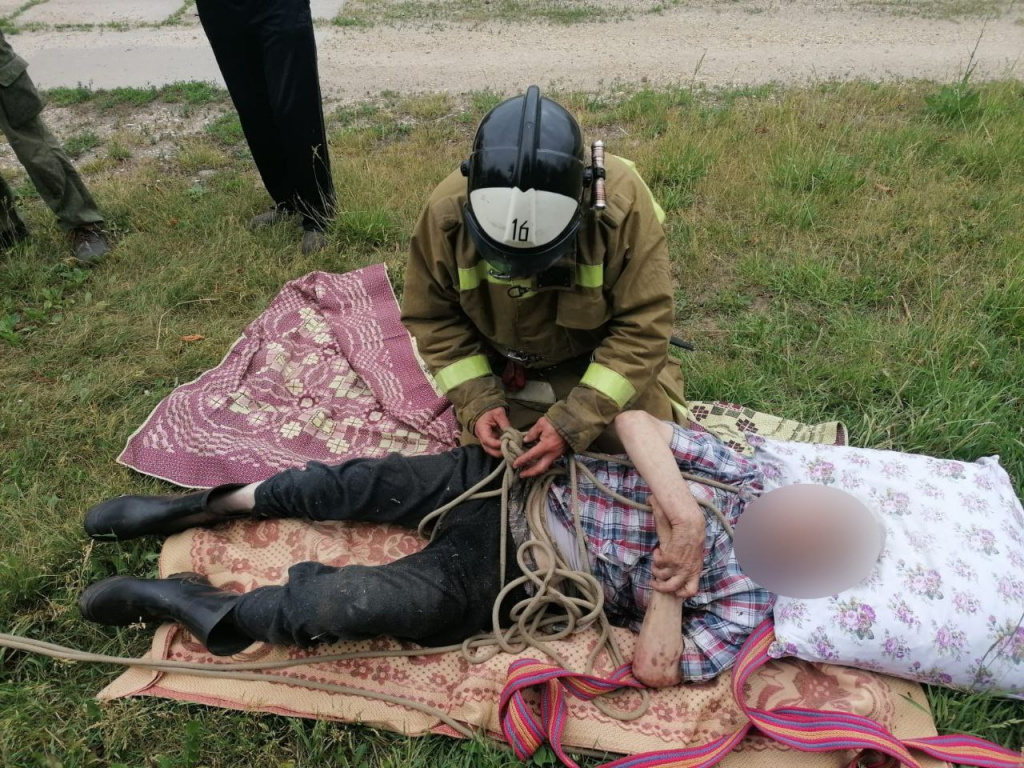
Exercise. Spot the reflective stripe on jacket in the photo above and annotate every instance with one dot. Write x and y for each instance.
(615, 303)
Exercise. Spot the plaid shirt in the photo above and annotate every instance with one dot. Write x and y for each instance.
(621, 543)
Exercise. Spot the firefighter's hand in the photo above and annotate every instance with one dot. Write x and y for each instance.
(488, 430)
(550, 445)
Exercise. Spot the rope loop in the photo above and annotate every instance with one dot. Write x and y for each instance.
(562, 601)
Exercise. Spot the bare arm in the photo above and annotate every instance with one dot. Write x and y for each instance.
(679, 558)
(656, 658)
(680, 555)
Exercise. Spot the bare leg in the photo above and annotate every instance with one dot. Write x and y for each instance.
(240, 500)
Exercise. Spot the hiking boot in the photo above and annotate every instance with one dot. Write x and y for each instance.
(11, 237)
(313, 241)
(89, 244)
(129, 517)
(186, 598)
(276, 215)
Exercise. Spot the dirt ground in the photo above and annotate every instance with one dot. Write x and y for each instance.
(434, 46)
(710, 44)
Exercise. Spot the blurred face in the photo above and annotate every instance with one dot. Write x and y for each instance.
(808, 541)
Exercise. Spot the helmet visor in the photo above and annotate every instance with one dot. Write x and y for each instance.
(511, 261)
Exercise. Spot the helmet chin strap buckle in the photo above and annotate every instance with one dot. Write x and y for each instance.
(594, 177)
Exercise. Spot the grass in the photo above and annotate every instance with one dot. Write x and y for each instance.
(366, 13)
(10, 25)
(842, 251)
(192, 93)
(226, 129)
(941, 9)
(80, 143)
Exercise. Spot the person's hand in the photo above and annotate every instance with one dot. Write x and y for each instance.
(550, 445)
(488, 430)
(679, 557)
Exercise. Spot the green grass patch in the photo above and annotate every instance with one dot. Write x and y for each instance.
(192, 93)
(941, 9)
(226, 129)
(9, 24)
(179, 14)
(840, 252)
(127, 97)
(350, 20)
(365, 13)
(78, 144)
(67, 97)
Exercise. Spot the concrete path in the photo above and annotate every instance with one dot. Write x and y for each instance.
(749, 42)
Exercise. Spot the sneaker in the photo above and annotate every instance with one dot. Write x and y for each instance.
(90, 244)
(313, 241)
(276, 215)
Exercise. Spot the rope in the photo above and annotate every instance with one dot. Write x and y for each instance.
(550, 614)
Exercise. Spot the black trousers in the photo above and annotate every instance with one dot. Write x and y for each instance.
(267, 55)
(438, 596)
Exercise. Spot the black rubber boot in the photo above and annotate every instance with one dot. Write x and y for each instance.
(186, 598)
(128, 517)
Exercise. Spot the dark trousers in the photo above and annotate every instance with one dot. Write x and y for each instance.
(438, 596)
(267, 55)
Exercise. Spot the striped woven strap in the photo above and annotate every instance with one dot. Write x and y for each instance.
(520, 724)
(807, 730)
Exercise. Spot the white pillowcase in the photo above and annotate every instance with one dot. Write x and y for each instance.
(945, 604)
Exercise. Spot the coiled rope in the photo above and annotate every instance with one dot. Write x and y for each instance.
(550, 614)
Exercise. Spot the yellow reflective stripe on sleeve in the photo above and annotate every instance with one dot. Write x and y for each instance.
(608, 382)
(452, 375)
(658, 210)
(470, 279)
(590, 275)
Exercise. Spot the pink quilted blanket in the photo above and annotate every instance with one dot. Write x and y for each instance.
(326, 373)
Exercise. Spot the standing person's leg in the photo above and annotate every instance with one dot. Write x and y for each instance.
(293, 82)
(45, 160)
(50, 169)
(229, 26)
(53, 175)
(12, 228)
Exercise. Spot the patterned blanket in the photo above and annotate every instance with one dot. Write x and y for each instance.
(328, 372)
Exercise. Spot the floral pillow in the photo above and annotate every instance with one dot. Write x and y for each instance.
(945, 604)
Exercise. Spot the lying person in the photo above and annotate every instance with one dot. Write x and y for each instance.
(661, 569)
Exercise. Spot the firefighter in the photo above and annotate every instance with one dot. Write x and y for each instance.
(535, 304)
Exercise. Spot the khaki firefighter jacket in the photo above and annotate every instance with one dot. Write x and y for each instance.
(614, 303)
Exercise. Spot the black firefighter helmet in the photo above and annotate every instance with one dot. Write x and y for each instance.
(526, 182)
